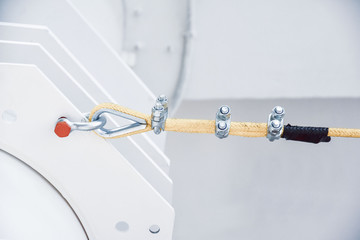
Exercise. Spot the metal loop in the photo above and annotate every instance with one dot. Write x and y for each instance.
(84, 126)
(139, 124)
(64, 126)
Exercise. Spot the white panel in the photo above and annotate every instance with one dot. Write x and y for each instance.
(97, 181)
(153, 34)
(85, 44)
(107, 17)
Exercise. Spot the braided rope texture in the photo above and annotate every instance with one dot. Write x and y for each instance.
(344, 132)
(245, 129)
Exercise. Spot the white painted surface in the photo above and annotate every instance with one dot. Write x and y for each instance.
(271, 49)
(294, 49)
(154, 34)
(97, 181)
(38, 45)
(85, 44)
(29, 203)
(76, 31)
(107, 17)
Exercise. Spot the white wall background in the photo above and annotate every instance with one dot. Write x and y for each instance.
(277, 48)
(249, 188)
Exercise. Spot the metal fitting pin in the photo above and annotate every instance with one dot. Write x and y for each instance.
(223, 122)
(275, 123)
(159, 114)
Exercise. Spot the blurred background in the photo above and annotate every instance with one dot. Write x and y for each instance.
(250, 55)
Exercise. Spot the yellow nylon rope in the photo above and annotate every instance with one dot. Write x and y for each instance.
(244, 129)
(344, 132)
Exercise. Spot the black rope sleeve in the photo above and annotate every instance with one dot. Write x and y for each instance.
(306, 134)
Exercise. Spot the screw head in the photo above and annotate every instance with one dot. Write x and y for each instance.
(224, 110)
(278, 110)
(62, 129)
(162, 98)
(222, 125)
(275, 123)
(158, 106)
(157, 130)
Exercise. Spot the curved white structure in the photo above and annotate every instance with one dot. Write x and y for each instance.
(31, 208)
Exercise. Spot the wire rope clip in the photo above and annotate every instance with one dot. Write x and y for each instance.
(275, 123)
(159, 114)
(223, 122)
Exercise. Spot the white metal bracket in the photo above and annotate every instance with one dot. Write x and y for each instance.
(98, 182)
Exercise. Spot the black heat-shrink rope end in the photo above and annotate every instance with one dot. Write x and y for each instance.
(306, 134)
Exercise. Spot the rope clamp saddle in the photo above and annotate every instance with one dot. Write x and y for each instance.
(275, 123)
(223, 122)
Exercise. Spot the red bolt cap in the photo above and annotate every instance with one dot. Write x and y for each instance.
(62, 129)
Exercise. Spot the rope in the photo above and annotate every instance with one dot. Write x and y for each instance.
(244, 129)
(344, 132)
